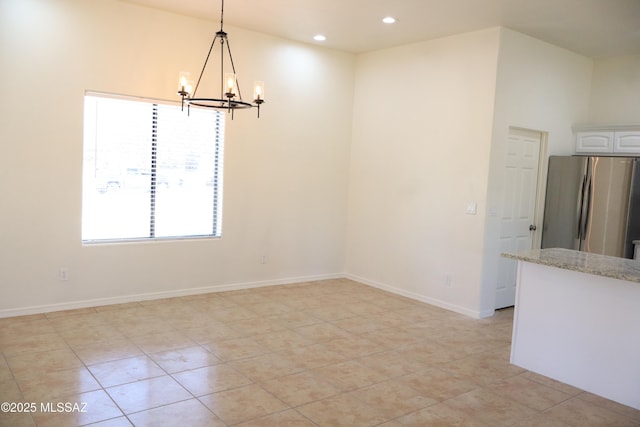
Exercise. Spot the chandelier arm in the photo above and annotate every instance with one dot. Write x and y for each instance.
(233, 67)
(205, 64)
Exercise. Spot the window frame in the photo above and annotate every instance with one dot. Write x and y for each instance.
(217, 173)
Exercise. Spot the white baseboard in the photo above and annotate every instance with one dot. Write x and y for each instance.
(236, 286)
(438, 303)
(48, 308)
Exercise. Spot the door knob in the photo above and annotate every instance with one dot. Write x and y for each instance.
(532, 227)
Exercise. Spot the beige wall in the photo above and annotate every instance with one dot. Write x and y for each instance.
(615, 91)
(285, 174)
(361, 166)
(420, 154)
(540, 87)
(418, 162)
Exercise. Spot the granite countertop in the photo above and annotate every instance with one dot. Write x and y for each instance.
(585, 262)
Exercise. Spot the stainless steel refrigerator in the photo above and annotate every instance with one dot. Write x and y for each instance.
(592, 204)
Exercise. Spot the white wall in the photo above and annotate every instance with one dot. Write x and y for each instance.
(373, 183)
(615, 91)
(285, 174)
(540, 87)
(420, 153)
(430, 126)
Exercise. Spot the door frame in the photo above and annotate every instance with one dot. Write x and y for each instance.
(541, 189)
(541, 186)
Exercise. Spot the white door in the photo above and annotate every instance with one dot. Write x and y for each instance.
(517, 222)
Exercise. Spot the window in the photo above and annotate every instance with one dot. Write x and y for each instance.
(150, 170)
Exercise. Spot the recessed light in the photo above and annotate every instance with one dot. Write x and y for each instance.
(319, 38)
(389, 20)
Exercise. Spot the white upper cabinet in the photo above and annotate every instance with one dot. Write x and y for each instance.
(594, 142)
(615, 140)
(626, 142)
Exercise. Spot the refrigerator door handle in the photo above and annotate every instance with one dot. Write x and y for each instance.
(581, 207)
(587, 213)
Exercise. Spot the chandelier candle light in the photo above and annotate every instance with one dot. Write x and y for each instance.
(230, 98)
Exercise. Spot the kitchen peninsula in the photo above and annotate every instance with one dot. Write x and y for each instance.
(577, 320)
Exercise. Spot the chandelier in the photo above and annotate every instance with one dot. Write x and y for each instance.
(230, 97)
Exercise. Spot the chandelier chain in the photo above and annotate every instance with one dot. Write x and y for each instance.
(222, 16)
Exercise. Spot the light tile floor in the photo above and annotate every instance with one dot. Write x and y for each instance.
(329, 353)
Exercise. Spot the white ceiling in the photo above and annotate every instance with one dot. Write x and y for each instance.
(594, 28)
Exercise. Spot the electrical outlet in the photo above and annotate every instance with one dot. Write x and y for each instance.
(263, 259)
(447, 280)
(63, 274)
